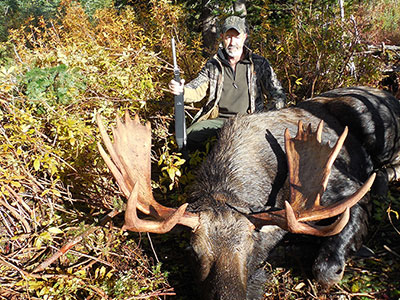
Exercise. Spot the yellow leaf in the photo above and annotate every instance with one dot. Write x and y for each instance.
(180, 161)
(15, 184)
(25, 128)
(110, 274)
(45, 236)
(171, 173)
(52, 169)
(56, 193)
(389, 210)
(55, 230)
(102, 271)
(81, 273)
(4, 191)
(298, 81)
(36, 164)
(38, 243)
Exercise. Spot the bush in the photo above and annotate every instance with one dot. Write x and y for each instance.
(316, 50)
(54, 184)
(384, 21)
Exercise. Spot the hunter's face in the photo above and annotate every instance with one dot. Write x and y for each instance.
(233, 42)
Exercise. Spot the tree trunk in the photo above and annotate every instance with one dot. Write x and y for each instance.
(210, 24)
(209, 29)
(240, 8)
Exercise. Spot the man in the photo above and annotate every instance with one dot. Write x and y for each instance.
(237, 80)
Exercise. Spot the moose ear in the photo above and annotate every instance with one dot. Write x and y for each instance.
(200, 244)
(205, 266)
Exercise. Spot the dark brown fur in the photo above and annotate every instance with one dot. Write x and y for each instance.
(246, 173)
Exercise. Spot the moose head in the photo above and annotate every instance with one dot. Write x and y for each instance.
(223, 238)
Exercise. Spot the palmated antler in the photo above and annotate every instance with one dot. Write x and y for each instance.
(310, 163)
(131, 167)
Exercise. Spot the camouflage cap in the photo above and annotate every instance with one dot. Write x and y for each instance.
(234, 22)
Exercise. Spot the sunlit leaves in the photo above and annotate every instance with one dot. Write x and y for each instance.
(313, 50)
(7, 79)
(65, 71)
(171, 167)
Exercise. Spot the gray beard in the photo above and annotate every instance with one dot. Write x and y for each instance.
(232, 52)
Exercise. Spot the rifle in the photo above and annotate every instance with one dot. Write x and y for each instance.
(180, 125)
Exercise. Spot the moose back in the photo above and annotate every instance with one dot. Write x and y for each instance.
(268, 175)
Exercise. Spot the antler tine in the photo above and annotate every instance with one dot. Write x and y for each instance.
(114, 167)
(336, 150)
(287, 220)
(133, 223)
(130, 165)
(319, 131)
(300, 128)
(295, 226)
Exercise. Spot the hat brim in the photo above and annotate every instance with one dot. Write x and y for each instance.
(232, 27)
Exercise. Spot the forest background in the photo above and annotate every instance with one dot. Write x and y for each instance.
(62, 62)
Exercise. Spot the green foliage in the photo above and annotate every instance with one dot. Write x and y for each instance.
(171, 168)
(377, 278)
(91, 6)
(57, 85)
(14, 12)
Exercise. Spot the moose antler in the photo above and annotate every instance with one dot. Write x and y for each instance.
(310, 163)
(131, 167)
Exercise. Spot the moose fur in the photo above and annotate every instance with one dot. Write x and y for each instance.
(246, 173)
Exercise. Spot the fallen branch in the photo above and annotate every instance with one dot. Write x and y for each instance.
(24, 274)
(16, 215)
(64, 249)
(169, 292)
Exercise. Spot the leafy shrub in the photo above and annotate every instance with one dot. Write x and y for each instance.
(383, 22)
(316, 50)
(57, 84)
(52, 179)
(14, 12)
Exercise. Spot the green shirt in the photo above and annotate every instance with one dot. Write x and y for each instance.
(235, 96)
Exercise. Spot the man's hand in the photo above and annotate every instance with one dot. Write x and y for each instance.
(175, 87)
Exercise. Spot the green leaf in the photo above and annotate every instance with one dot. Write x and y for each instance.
(45, 236)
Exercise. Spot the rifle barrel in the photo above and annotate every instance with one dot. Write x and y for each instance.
(180, 124)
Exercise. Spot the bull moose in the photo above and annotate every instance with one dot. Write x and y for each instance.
(259, 182)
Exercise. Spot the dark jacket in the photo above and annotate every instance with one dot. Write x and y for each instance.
(260, 75)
